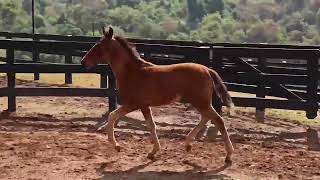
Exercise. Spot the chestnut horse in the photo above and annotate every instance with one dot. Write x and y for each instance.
(142, 85)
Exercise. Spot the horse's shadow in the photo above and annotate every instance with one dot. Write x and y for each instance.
(41, 122)
(11, 122)
(138, 173)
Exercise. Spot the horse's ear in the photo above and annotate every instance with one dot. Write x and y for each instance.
(104, 32)
(110, 33)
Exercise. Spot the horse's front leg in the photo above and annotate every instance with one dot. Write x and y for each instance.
(152, 126)
(112, 118)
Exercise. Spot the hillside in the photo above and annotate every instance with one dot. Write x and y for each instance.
(237, 21)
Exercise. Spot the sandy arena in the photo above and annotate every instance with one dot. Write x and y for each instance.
(56, 138)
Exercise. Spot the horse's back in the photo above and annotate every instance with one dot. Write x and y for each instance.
(190, 67)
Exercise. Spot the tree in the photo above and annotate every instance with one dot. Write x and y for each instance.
(195, 13)
(8, 13)
(264, 32)
(318, 19)
(296, 36)
(213, 6)
(68, 29)
(272, 21)
(232, 30)
(170, 25)
(39, 21)
(210, 29)
(27, 6)
(309, 17)
(295, 5)
(294, 22)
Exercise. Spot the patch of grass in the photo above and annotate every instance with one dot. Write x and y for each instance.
(290, 115)
(2, 53)
(294, 116)
(79, 80)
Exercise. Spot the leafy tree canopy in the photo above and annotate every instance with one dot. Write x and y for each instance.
(237, 21)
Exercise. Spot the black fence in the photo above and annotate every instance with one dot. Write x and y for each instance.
(286, 71)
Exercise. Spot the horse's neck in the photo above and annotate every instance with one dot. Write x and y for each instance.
(145, 63)
(128, 68)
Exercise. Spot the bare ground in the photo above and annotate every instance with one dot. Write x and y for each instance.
(56, 138)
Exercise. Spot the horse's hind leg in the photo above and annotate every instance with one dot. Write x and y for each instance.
(195, 131)
(218, 121)
(152, 126)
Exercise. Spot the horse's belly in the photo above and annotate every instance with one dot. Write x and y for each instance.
(151, 99)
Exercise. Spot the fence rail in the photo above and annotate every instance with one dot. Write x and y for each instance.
(244, 68)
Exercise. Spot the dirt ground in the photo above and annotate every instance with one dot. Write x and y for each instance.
(56, 138)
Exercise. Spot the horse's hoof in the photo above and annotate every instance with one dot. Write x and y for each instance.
(188, 148)
(150, 156)
(117, 147)
(228, 161)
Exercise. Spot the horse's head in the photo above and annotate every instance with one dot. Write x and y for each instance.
(101, 52)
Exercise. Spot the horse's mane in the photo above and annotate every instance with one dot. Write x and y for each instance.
(132, 51)
(129, 47)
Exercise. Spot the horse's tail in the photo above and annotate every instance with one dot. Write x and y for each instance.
(222, 91)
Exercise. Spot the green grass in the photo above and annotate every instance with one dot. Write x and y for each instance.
(294, 116)
(290, 115)
(2, 53)
(79, 80)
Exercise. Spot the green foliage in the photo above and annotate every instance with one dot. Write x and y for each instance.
(8, 14)
(264, 32)
(210, 29)
(195, 12)
(213, 6)
(39, 21)
(235, 21)
(68, 29)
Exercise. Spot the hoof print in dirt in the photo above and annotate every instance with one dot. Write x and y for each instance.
(151, 156)
(117, 148)
(188, 148)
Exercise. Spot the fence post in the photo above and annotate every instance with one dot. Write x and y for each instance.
(103, 83)
(112, 85)
(216, 63)
(312, 87)
(103, 80)
(261, 91)
(11, 81)
(36, 55)
(68, 60)
(147, 56)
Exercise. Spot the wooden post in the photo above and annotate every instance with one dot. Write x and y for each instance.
(261, 91)
(36, 56)
(103, 80)
(11, 81)
(147, 56)
(312, 87)
(104, 83)
(113, 98)
(216, 64)
(68, 75)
